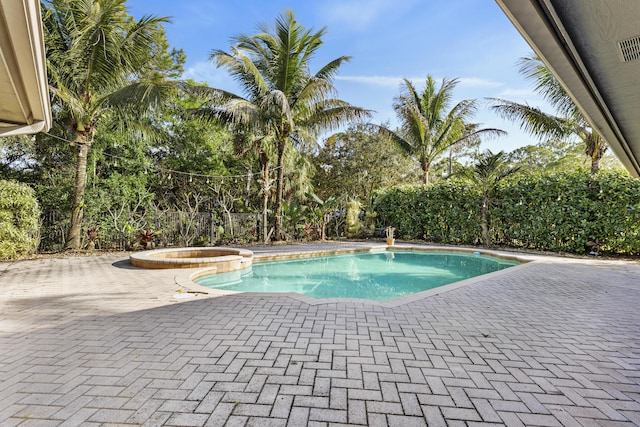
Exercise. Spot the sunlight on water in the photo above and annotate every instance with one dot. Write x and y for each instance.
(370, 275)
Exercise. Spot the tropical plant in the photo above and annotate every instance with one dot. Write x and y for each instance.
(389, 232)
(429, 125)
(146, 238)
(322, 211)
(95, 51)
(487, 173)
(92, 236)
(569, 121)
(294, 217)
(284, 101)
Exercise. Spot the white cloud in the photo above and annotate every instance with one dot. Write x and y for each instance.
(510, 93)
(384, 81)
(478, 82)
(358, 14)
(527, 96)
(361, 14)
(204, 71)
(395, 81)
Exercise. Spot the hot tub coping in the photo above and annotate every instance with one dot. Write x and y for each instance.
(222, 259)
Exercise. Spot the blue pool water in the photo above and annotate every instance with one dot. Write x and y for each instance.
(376, 276)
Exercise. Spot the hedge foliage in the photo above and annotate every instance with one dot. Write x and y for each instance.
(19, 220)
(560, 213)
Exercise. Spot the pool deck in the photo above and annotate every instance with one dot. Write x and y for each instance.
(93, 341)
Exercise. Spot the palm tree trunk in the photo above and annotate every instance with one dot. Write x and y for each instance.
(426, 167)
(277, 234)
(484, 223)
(596, 147)
(77, 209)
(323, 227)
(595, 165)
(264, 160)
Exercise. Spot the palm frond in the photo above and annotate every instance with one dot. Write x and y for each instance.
(394, 137)
(547, 85)
(473, 133)
(141, 95)
(329, 115)
(490, 169)
(278, 101)
(93, 51)
(533, 120)
(428, 123)
(330, 70)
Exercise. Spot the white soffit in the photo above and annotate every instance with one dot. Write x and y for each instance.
(24, 99)
(591, 47)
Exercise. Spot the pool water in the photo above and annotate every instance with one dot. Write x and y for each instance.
(376, 276)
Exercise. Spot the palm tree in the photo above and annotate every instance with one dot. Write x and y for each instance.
(487, 173)
(429, 125)
(283, 101)
(569, 121)
(94, 50)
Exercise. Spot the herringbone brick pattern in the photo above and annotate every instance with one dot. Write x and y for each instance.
(83, 342)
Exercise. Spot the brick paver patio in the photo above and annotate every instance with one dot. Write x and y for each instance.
(92, 341)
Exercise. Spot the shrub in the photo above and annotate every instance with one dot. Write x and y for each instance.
(19, 220)
(447, 212)
(559, 213)
(564, 212)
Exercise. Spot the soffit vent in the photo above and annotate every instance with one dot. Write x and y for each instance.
(630, 49)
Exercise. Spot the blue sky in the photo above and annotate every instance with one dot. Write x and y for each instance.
(471, 40)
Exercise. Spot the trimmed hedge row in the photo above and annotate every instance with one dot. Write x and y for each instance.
(561, 213)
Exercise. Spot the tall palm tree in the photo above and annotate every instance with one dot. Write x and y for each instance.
(94, 50)
(487, 173)
(283, 100)
(569, 121)
(429, 125)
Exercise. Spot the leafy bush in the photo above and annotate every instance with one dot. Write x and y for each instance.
(561, 213)
(447, 212)
(19, 219)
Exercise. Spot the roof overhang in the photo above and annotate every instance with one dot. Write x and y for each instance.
(24, 99)
(580, 41)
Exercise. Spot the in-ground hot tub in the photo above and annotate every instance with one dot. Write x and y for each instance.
(222, 259)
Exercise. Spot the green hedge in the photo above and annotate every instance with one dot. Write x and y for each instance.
(558, 213)
(445, 213)
(19, 220)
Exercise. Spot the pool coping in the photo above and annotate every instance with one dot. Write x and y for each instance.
(219, 260)
(188, 287)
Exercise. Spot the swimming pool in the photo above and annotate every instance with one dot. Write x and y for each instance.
(378, 276)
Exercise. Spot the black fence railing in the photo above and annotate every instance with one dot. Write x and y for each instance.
(169, 229)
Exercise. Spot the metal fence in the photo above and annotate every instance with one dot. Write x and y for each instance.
(172, 228)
